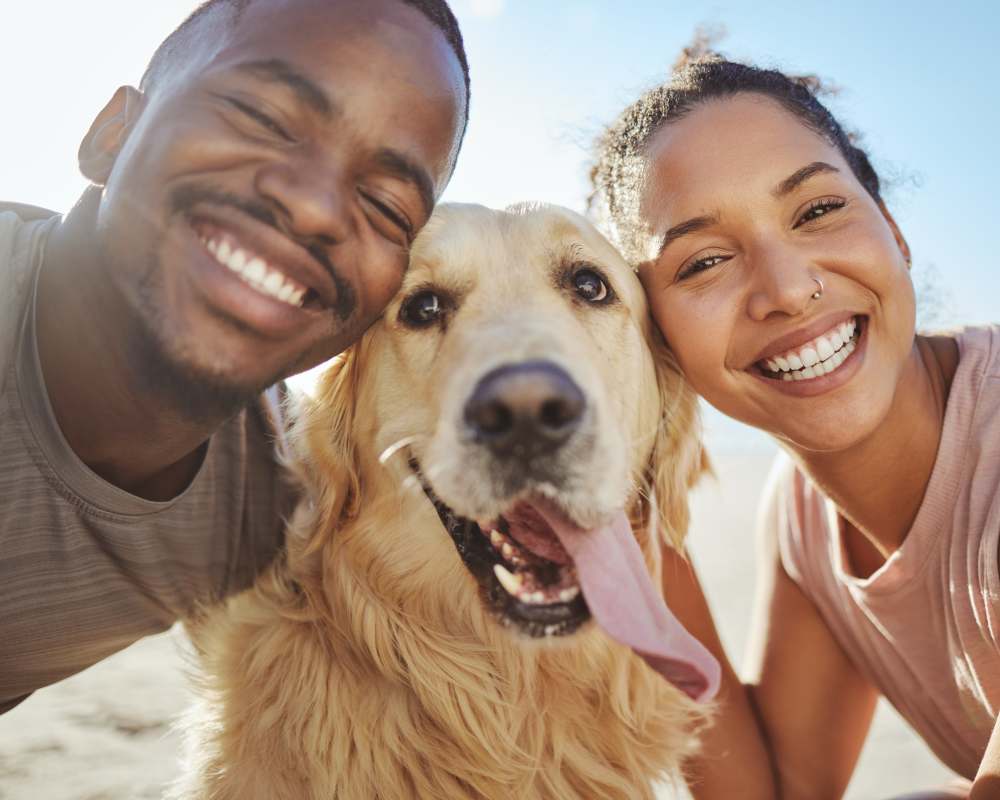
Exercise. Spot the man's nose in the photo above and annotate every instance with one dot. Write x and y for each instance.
(313, 198)
(525, 410)
(783, 282)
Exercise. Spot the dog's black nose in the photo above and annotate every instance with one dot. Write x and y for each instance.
(525, 410)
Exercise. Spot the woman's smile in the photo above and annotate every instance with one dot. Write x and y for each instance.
(821, 365)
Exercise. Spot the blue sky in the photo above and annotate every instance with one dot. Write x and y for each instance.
(918, 79)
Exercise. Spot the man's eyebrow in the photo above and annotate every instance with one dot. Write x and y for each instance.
(797, 178)
(683, 229)
(307, 90)
(399, 166)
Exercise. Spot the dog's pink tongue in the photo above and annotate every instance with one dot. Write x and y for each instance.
(623, 600)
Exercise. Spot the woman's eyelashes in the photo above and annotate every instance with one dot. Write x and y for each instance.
(819, 208)
(814, 210)
(697, 265)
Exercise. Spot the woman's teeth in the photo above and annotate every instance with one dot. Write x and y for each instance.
(255, 271)
(819, 357)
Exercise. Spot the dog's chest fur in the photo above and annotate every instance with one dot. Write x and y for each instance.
(345, 695)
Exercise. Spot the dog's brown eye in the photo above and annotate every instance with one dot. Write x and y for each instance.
(591, 286)
(424, 308)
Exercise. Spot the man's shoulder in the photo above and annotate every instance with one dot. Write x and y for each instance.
(21, 229)
(26, 212)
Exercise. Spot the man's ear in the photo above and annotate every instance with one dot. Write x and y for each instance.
(107, 134)
(896, 232)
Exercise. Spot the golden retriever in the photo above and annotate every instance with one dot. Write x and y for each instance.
(473, 471)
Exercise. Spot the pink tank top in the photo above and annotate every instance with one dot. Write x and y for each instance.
(925, 627)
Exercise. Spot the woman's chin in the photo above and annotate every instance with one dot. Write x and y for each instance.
(829, 430)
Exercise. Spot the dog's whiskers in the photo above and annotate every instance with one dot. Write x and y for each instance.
(398, 445)
(411, 483)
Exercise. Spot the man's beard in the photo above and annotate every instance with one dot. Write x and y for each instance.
(195, 393)
(172, 374)
(165, 367)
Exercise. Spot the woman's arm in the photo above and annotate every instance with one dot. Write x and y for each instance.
(987, 783)
(733, 761)
(815, 708)
(795, 730)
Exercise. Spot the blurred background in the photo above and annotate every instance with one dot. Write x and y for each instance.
(917, 80)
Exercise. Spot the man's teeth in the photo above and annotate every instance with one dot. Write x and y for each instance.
(819, 357)
(255, 271)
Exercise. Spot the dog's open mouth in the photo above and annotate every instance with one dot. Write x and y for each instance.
(526, 577)
(535, 567)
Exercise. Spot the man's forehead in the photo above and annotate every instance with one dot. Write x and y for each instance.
(298, 31)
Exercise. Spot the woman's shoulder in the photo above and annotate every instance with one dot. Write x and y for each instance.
(978, 348)
(972, 415)
(977, 378)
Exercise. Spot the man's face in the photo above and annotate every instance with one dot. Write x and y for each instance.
(259, 214)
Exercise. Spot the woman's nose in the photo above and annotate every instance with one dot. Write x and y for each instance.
(783, 283)
(315, 200)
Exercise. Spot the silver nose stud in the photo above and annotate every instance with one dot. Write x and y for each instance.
(819, 292)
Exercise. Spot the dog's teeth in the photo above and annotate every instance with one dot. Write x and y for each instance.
(566, 595)
(496, 537)
(507, 551)
(551, 630)
(509, 581)
(532, 598)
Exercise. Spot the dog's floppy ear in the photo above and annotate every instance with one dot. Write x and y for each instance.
(324, 455)
(678, 458)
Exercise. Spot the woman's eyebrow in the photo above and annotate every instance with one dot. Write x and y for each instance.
(797, 178)
(788, 185)
(692, 225)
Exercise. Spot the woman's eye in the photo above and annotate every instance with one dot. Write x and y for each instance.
(591, 286)
(819, 208)
(422, 309)
(700, 265)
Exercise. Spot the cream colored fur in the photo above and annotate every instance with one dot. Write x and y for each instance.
(363, 664)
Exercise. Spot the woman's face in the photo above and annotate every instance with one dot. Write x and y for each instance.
(747, 211)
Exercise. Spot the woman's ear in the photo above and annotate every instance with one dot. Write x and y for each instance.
(897, 233)
(108, 132)
(678, 458)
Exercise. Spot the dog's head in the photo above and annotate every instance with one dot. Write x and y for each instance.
(508, 398)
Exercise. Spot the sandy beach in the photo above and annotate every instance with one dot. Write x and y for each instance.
(106, 734)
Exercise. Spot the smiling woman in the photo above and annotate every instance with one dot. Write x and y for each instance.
(781, 282)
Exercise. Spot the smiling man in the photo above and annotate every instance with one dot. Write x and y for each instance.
(250, 213)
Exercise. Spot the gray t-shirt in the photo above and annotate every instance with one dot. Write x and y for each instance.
(86, 568)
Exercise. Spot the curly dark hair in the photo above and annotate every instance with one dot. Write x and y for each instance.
(700, 75)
